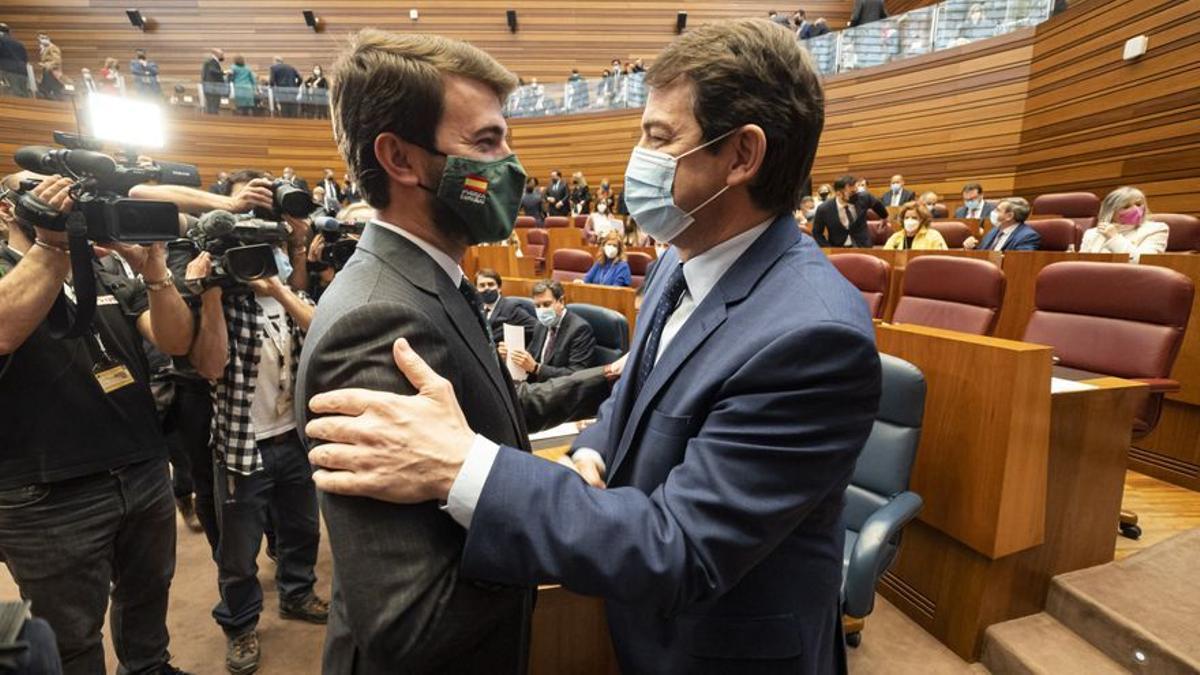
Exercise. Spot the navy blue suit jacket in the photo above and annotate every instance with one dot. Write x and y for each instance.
(1023, 238)
(718, 543)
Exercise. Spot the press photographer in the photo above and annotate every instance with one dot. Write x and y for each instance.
(85, 498)
(335, 241)
(249, 345)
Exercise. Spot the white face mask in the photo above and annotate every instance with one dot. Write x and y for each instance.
(911, 225)
(546, 316)
(610, 251)
(861, 188)
(995, 217)
(896, 187)
(602, 208)
(649, 185)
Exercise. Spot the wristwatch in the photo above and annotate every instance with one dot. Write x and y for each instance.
(165, 283)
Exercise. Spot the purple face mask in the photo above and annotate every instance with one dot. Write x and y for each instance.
(1131, 216)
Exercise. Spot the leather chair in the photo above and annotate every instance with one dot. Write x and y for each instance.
(638, 264)
(579, 220)
(556, 221)
(526, 221)
(870, 275)
(1185, 231)
(954, 232)
(570, 264)
(880, 231)
(536, 248)
(1058, 234)
(1122, 320)
(878, 502)
(610, 328)
(939, 210)
(1079, 207)
(526, 304)
(961, 294)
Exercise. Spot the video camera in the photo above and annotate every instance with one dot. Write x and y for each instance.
(339, 245)
(242, 248)
(99, 193)
(288, 200)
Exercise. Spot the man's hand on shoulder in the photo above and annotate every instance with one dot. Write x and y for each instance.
(402, 449)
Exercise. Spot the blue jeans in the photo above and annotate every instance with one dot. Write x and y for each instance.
(285, 486)
(66, 542)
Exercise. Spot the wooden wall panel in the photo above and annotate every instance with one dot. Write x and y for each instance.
(1095, 121)
(553, 37)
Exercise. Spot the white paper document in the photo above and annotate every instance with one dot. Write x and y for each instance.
(514, 339)
(1059, 385)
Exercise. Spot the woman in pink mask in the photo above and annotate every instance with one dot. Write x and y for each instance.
(1124, 225)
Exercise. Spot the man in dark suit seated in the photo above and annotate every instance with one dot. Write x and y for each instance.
(709, 515)
(842, 221)
(563, 343)
(974, 207)
(1009, 231)
(499, 309)
(898, 195)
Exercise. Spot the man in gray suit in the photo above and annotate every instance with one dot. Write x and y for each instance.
(431, 156)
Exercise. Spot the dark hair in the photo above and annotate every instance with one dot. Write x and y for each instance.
(489, 273)
(843, 182)
(555, 288)
(747, 71)
(393, 83)
(973, 186)
(242, 176)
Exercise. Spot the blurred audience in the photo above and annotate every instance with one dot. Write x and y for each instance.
(1125, 225)
(611, 267)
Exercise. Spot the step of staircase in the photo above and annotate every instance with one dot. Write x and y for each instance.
(1040, 645)
(1142, 612)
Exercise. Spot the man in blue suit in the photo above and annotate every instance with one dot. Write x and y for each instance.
(709, 514)
(1009, 231)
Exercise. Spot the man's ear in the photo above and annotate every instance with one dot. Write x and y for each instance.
(749, 148)
(399, 159)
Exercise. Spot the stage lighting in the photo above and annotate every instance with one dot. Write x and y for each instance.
(311, 19)
(512, 19)
(136, 19)
(680, 22)
(126, 122)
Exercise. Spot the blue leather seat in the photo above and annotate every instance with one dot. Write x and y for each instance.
(526, 304)
(610, 328)
(878, 503)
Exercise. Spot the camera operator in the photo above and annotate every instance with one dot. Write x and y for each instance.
(85, 497)
(323, 262)
(249, 344)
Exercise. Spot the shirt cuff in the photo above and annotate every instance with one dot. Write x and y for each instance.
(582, 453)
(468, 485)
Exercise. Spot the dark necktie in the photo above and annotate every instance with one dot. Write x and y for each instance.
(676, 285)
(472, 297)
(548, 348)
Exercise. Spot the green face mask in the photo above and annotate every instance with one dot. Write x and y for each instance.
(479, 198)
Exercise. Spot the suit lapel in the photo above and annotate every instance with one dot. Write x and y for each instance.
(412, 263)
(734, 285)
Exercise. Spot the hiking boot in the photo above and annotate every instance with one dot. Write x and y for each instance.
(241, 653)
(310, 608)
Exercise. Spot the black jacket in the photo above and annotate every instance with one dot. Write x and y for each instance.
(509, 311)
(283, 75)
(573, 349)
(866, 11)
(827, 226)
(13, 57)
(906, 196)
(212, 71)
(555, 193)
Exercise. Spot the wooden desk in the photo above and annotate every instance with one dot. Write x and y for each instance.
(1019, 485)
(570, 634)
(503, 259)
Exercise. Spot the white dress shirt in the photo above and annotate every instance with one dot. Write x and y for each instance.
(449, 265)
(1002, 238)
(702, 273)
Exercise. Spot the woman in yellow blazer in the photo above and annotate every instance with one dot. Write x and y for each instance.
(916, 233)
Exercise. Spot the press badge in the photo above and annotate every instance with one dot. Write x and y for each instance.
(112, 375)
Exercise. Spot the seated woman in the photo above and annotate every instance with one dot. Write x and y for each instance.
(633, 234)
(916, 234)
(610, 268)
(599, 223)
(1124, 225)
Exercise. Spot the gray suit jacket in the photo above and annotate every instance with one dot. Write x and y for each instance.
(398, 602)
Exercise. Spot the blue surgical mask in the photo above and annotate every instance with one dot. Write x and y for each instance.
(546, 316)
(649, 184)
(972, 204)
(283, 264)
(995, 217)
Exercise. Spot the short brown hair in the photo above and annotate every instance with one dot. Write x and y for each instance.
(489, 273)
(921, 210)
(548, 286)
(752, 71)
(392, 82)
